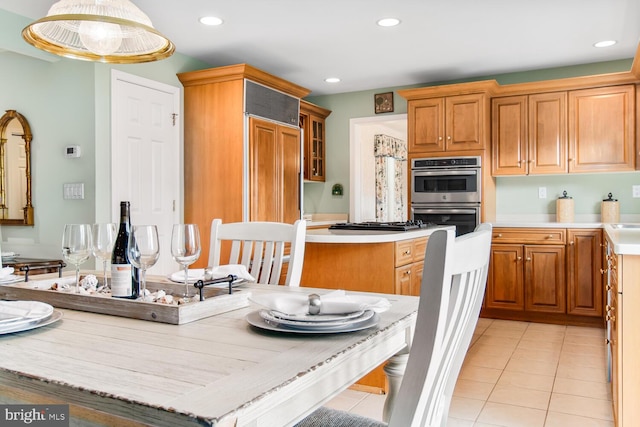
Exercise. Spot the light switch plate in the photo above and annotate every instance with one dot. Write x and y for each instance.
(635, 190)
(73, 191)
(542, 192)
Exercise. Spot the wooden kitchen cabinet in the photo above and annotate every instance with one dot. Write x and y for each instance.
(602, 129)
(623, 319)
(584, 276)
(274, 159)
(545, 275)
(409, 266)
(235, 170)
(448, 118)
(526, 278)
(529, 134)
(312, 121)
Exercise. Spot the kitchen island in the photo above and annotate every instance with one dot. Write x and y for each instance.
(372, 261)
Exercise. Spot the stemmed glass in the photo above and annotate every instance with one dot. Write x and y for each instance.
(185, 249)
(103, 237)
(76, 246)
(144, 250)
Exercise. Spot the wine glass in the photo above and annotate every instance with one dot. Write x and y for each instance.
(144, 250)
(103, 237)
(76, 246)
(185, 249)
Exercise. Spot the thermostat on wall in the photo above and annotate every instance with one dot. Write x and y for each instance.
(72, 151)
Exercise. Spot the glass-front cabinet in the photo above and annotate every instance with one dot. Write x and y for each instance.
(312, 122)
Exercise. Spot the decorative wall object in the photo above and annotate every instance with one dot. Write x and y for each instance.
(383, 102)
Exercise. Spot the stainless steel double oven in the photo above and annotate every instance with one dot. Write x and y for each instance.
(447, 191)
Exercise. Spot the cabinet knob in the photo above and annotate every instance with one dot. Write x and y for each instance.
(611, 317)
(550, 236)
(609, 308)
(531, 161)
(607, 341)
(604, 270)
(519, 258)
(571, 160)
(498, 235)
(407, 252)
(572, 243)
(528, 258)
(449, 137)
(408, 272)
(609, 287)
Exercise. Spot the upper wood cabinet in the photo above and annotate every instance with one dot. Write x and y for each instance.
(529, 134)
(448, 118)
(587, 130)
(233, 169)
(602, 129)
(312, 122)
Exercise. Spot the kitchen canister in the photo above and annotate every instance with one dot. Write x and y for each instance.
(564, 208)
(610, 209)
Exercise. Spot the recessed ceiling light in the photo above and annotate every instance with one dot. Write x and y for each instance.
(388, 22)
(332, 80)
(605, 43)
(210, 20)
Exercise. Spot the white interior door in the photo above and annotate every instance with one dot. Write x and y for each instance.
(145, 167)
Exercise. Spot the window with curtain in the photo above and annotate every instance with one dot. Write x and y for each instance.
(391, 172)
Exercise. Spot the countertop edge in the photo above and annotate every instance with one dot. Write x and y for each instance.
(342, 236)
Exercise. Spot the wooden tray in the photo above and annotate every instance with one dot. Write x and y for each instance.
(216, 301)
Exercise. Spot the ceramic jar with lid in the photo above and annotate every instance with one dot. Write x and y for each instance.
(610, 209)
(564, 208)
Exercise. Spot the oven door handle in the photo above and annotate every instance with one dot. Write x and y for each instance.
(445, 211)
(443, 172)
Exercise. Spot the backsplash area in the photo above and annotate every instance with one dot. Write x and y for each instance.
(518, 196)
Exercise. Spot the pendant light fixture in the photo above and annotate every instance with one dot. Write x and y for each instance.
(113, 31)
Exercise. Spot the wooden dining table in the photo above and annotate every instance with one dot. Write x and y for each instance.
(217, 371)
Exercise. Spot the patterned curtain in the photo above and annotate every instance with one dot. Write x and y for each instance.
(391, 165)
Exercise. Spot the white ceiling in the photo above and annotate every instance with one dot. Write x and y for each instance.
(305, 41)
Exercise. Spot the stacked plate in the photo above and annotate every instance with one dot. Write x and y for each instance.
(313, 324)
(18, 316)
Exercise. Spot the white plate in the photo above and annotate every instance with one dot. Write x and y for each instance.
(55, 316)
(256, 320)
(315, 318)
(17, 313)
(297, 324)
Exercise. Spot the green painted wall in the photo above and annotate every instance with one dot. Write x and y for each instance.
(515, 195)
(67, 102)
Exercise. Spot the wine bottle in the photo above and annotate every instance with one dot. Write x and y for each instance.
(124, 277)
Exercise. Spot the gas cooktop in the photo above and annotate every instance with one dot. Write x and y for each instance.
(381, 226)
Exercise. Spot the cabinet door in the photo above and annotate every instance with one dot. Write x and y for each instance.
(509, 135)
(544, 281)
(274, 172)
(584, 279)
(264, 179)
(316, 149)
(464, 118)
(548, 133)
(602, 129)
(403, 280)
(426, 125)
(290, 167)
(505, 284)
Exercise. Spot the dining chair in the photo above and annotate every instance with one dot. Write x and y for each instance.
(261, 247)
(451, 293)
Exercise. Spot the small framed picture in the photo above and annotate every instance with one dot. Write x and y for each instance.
(383, 102)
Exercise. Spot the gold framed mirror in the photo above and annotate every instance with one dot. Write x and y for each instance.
(15, 170)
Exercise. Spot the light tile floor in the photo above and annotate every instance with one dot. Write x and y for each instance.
(520, 374)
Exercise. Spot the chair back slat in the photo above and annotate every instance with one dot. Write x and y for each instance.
(260, 246)
(453, 284)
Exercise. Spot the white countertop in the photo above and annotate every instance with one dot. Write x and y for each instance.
(542, 224)
(324, 235)
(625, 241)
